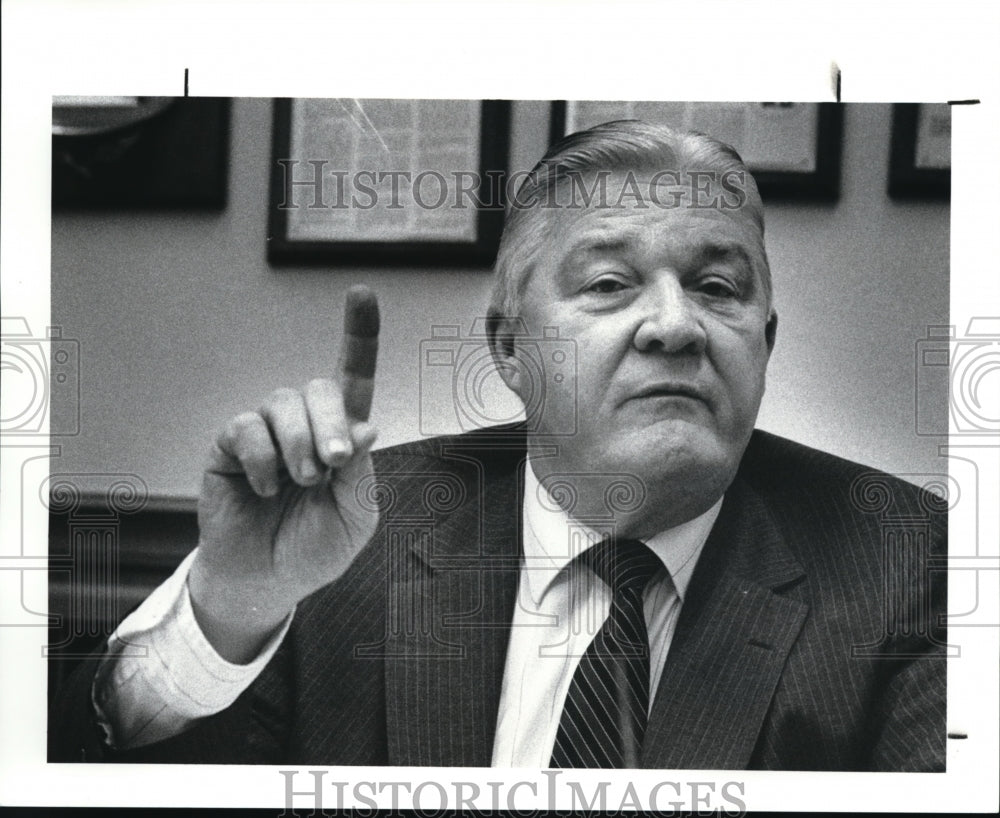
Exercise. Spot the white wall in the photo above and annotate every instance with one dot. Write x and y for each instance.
(182, 322)
(857, 284)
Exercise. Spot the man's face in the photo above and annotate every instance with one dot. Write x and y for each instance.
(672, 330)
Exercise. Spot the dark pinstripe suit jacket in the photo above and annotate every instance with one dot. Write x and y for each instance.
(809, 638)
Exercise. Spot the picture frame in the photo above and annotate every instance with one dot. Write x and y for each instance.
(920, 152)
(792, 149)
(356, 147)
(149, 153)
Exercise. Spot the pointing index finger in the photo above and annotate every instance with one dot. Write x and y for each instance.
(359, 351)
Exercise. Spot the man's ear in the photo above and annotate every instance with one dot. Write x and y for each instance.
(500, 332)
(771, 331)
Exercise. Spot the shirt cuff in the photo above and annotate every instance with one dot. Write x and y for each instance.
(162, 674)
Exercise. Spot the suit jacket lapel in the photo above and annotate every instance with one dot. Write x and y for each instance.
(451, 600)
(731, 643)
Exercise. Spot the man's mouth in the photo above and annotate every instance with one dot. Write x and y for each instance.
(669, 390)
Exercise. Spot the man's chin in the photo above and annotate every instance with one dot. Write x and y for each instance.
(648, 479)
(678, 457)
(672, 443)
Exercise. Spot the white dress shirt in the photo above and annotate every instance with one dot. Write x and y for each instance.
(560, 607)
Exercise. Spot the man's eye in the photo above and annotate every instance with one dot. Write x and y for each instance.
(718, 289)
(606, 285)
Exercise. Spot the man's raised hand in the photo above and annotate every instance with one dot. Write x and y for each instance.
(278, 514)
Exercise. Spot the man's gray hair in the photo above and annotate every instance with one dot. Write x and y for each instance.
(623, 145)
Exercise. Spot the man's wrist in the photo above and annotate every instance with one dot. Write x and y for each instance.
(238, 642)
(236, 625)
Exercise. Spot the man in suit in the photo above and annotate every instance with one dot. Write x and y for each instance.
(631, 577)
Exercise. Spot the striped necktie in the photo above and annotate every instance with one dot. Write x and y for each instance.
(604, 718)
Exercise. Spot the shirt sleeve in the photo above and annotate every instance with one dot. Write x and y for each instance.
(161, 674)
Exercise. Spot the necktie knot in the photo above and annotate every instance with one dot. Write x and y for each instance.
(625, 565)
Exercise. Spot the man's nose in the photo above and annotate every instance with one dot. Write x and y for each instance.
(670, 321)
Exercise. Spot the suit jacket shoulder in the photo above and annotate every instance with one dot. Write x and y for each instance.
(822, 485)
(863, 686)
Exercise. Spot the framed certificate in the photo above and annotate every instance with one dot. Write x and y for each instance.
(371, 181)
(792, 148)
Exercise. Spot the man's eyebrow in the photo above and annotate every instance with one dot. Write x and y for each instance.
(592, 245)
(723, 251)
(598, 244)
(700, 255)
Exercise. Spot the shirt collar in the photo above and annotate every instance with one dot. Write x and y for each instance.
(552, 539)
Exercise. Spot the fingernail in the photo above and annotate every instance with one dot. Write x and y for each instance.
(264, 488)
(309, 470)
(337, 449)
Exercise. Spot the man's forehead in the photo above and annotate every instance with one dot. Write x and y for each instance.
(614, 229)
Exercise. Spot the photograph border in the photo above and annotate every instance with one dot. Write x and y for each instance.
(86, 52)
